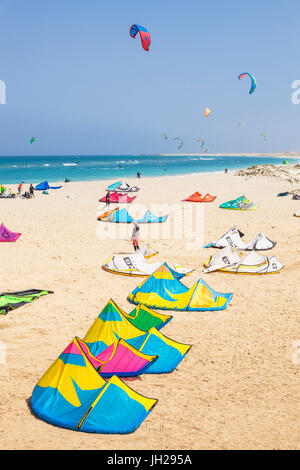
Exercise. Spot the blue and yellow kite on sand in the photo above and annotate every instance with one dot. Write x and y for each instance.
(164, 291)
(72, 395)
(111, 324)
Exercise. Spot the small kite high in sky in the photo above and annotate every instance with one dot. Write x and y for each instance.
(33, 139)
(264, 136)
(207, 112)
(201, 142)
(253, 81)
(165, 136)
(144, 35)
(181, 142)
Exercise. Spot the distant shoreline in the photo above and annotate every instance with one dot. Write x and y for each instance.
(134, 180)
(56, 169)
(295, 156)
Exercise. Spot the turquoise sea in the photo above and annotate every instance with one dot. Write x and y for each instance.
(85, 168)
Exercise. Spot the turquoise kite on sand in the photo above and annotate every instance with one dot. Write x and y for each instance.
(240, 203)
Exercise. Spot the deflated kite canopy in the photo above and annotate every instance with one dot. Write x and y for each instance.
(12, 300)
(113, 186)
(122, 216)
(164, 291)
(197, 197)
(116, 216)
(72, 395)
(226, 257)
(126, 188)
(112, 324)
(8, 236)
(105, 214)
(148, 218)
(194, 197)
(231, 260)
(241, 203)
(147, 251)
(136, 265)
(44, 186)
(6, 193)
(116, 197)
(145, 318)
(119, 359)
(234, 238)
(122, 187)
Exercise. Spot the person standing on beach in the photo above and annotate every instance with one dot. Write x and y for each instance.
(107, 199)
(31, 191)
(135, 236)
(138, 175)
(20, 189)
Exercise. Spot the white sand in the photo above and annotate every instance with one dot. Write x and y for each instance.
(238, 386)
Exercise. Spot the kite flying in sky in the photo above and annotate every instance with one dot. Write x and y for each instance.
(33, 139)
(207, 112)
(253, 81)
(181, 142)
(144, 35)
(201, 142)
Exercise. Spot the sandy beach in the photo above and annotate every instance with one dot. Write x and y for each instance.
(238, 387)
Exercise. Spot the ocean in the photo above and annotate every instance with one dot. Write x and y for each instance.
(86, 168)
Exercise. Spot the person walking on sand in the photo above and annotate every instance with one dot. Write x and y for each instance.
(20, 189)
(135, 236)
(31, 191)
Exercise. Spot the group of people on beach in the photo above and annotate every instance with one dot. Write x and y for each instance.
(27, 194)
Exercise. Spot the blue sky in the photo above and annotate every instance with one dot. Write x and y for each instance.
(82, 85)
